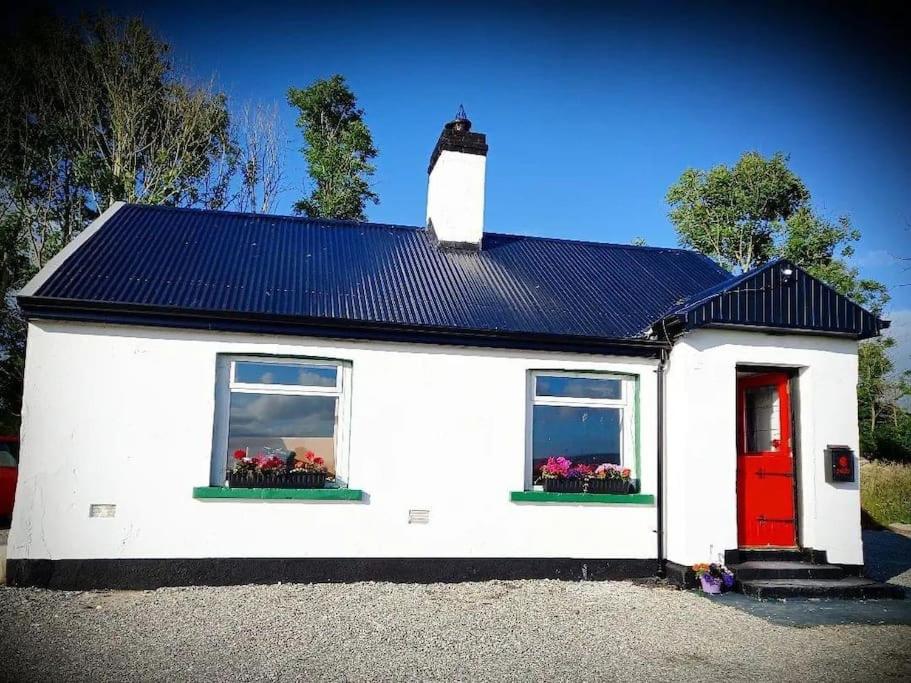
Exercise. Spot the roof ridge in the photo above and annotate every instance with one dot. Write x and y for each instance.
(411, 228)
(595, 243)
(280, 216)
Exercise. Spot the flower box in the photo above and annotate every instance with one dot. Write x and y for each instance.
(306, 480)
(608, 485)
(563, 485)
(282, 480)
(277, 469)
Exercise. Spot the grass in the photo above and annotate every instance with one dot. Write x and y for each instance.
(885, 492)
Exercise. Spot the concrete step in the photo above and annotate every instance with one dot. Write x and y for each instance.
(848, 588)
(763, 570)
(740, 556)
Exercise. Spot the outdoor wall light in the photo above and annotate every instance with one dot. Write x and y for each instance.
(786, 275)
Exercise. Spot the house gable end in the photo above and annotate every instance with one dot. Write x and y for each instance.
(778, 296)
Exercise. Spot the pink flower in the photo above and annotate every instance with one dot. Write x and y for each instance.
(556, 467)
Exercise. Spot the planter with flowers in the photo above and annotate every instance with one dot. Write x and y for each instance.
(608, 478)
(280, 471)
(308, 472)
(559, 475)
(714, 578)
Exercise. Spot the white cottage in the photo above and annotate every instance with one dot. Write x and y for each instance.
(433, 371)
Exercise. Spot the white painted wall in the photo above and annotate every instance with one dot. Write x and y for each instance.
(455, 197)
(701, 463)
(123, 415)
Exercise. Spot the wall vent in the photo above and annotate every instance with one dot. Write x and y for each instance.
(102, 510)
(419, 516)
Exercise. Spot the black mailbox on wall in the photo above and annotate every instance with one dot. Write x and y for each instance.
(840, 464)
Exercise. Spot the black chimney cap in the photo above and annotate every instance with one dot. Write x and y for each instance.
(461, 122)
(457, 137)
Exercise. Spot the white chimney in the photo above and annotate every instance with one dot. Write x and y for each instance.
(455, 191)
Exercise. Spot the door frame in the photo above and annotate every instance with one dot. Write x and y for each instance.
(788, 379)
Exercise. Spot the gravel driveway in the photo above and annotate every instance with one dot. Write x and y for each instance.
(519, 630)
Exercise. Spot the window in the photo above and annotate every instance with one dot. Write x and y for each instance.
(586, 417)
(278, 406)
(763, 428)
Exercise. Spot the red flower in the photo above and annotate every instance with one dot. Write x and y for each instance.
(318, 461)
(625, 472)
(309, 455)
(239, 454)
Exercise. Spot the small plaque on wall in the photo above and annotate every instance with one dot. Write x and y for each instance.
(840, 464)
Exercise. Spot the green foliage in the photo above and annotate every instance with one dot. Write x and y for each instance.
(734, 214)
(745, 215)
(338, 149)
(885, 492)
(885, 427)
(821, 247)
(91, 113)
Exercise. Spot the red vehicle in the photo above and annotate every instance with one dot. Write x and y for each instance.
(9, 474)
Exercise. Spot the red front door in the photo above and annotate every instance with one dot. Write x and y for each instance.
(765, 463)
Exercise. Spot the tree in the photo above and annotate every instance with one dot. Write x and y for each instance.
(338, 149)
(758, 210)
(144, 133)
(734, 214)
(261, 162)
(91, 113)
(885, 427)
(822, 247)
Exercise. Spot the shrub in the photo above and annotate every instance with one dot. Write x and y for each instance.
(893, 442)
(885, 492)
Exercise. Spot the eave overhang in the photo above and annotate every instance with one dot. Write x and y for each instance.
(45, 308)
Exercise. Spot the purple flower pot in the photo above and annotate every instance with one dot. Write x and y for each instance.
(710, 584)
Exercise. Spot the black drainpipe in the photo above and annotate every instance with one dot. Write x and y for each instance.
(659, 490)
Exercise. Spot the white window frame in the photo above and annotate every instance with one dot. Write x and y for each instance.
(626, 403)
(225, 385)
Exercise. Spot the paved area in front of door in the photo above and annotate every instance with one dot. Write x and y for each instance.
(888, 559)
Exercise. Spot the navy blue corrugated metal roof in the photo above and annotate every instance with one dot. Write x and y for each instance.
(202, 262)
(764, 297)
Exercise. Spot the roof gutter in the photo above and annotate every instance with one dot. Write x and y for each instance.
(36, 307)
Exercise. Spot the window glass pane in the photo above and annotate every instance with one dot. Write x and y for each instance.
(267, 423)
(285, 373)
(584, 435)
(763, 422)
(7, 459)
(578, 387)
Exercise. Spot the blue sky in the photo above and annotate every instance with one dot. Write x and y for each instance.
(591, 110)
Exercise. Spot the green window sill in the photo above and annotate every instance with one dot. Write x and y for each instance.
(588, 498)
(219, 492)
